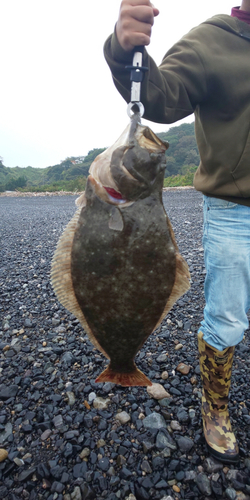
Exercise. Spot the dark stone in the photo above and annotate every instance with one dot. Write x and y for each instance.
(3, 491)
(57, 350)
(125, 473)
(158, 463)
(216, 488)
(161, 485)
(103, 483)
(68, 358)
(203, 484)
(114, 481)
(141, 493)
(56, 398)
(93, 457)
(148, 445)
(211, 465)
(57, 487)
(237, 485)
(87, 492)
(88, 421)
(164, 439)
(180, 475)
(79, 470)
(174, 391)
(8, 392)
(182, 417)
(26, 474)
(89, 476)
(27, 323)
(42, 471)
(43, 425)
(56, 472)
(243, 478)
(174, 465)
(104, 464)
(185, 444)
(65, 478)
(147, 483)
(68, 450)
(27, 428)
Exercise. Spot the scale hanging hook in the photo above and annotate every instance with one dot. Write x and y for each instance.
(136, 76)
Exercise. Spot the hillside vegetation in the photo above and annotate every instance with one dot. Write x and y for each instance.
(71, 173)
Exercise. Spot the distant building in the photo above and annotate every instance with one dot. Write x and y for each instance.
(77, 160)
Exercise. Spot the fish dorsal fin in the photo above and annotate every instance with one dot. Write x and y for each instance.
(181, 285)
(61, 276)
(182, 277)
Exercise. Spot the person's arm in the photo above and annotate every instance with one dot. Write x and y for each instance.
(168, 93)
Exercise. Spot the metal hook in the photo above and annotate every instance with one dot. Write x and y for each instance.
(136, 77)
(135, 107)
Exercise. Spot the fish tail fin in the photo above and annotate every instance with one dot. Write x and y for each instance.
(136, 377)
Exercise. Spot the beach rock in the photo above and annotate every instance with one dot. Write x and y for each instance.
(3, 454)
(154, 421)
(183, 369)
(123, 417)
(101, 403)
(157, 391)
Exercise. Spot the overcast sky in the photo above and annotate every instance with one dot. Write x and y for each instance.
(57, 96)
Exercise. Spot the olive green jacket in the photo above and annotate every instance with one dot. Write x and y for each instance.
(206, 73)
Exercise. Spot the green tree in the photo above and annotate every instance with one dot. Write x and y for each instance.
(13, 184)
(171, 168)
(192, 158)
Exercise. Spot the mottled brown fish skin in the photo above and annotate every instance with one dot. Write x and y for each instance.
(122, 278)
(117, 267)
(216, 369)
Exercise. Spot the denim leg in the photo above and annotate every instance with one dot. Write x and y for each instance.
(226, 242)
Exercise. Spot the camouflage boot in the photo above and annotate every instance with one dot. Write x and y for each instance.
(216, 369)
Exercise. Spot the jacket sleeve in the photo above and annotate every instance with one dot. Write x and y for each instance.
(169, 92)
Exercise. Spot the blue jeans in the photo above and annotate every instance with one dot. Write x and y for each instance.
(226, 242)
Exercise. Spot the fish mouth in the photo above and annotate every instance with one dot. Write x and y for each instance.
(107, 193)
(114, 195)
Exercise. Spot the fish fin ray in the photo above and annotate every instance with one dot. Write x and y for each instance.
(116, 221)
(61, 277)
(134, 378)
(172, 234)
(81, 200)
(181, 285)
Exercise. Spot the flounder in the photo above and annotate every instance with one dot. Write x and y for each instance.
(117, 267)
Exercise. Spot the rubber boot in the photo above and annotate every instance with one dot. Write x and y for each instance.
(216, 369)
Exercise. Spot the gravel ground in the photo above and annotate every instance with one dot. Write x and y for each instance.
(68, 438)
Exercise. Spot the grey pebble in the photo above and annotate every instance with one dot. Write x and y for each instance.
(185, 444)
(203, 484)
(154, 421)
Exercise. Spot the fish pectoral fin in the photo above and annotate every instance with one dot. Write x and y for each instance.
(116, 220)
(134, 378)
(81, 201)
(181, 285)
